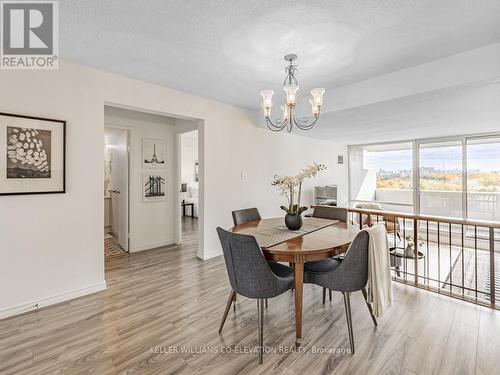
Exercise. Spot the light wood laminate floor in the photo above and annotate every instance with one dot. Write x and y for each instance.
(167, 300)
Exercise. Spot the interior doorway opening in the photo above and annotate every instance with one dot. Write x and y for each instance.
(189, 179)
(150, 212)
(116, 191)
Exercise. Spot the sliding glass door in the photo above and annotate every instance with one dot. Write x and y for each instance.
(441, 178)
(483, 178)
(451, 177)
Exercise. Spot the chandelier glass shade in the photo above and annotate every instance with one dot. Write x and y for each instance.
(288, 118)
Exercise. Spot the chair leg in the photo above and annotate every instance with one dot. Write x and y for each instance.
(232, 297)
(369, 306)
(260, 333)
(266, 304)
(347, 303)
(330, 294)
(324, 295)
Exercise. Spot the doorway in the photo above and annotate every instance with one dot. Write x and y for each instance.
(154, 160)
(116, 191)
(189, 181)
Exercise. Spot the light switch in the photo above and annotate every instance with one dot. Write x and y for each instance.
(243, 175)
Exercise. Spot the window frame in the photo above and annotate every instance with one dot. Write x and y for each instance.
(416, 143)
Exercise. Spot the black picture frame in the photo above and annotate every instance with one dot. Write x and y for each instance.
(63, 125)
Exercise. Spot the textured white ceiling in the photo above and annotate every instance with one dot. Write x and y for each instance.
(229, 50)
(458, 110)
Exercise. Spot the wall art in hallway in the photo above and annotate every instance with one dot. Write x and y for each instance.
(154, 187)
(153, 153)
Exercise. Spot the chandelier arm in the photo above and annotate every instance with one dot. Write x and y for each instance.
(307, 127)
(291, 116)
(274, 127)
(302, 121)
(302, 125)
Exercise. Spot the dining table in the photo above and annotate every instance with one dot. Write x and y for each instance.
(317, 239)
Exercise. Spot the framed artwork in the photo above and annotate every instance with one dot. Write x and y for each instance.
(153, 187)
(32, 155)
(153, 153)
(196, 171)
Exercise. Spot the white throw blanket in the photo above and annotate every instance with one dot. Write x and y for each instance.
(379, 270)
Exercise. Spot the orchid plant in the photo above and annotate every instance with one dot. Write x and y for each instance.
(291, 187)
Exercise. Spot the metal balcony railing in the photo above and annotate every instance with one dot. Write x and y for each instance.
(444, 255)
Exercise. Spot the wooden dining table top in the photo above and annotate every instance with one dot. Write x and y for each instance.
(337, 235)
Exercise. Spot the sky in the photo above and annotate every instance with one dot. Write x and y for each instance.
(483, 157)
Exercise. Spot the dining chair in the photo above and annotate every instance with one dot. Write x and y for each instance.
(245, 215)
(241, 217)
(251, 276)
(348, 276)
(332, 213)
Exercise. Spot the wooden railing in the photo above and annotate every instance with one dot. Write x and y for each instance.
(452, 256)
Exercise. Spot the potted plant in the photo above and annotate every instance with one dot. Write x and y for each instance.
(410, 246)
(291, 188)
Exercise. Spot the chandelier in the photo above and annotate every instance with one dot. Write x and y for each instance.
(291, 86)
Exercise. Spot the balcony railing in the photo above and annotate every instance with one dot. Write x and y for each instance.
(480, 205)
(455, 257)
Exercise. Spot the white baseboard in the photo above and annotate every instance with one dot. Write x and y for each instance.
(153, 245)
(209, 254)
(38, 304)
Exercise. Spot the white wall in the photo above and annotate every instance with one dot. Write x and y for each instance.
(62, 256)
(152, 224)
(51, 246)
(189, 155)
(363, 182)
(260, 154)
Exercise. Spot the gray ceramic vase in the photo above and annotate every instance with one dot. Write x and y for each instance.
(293, 222)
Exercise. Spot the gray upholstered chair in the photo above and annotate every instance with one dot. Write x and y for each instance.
(347, 276)
(332, 213)
(245, 215)
(241, 217)
(251, 276)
